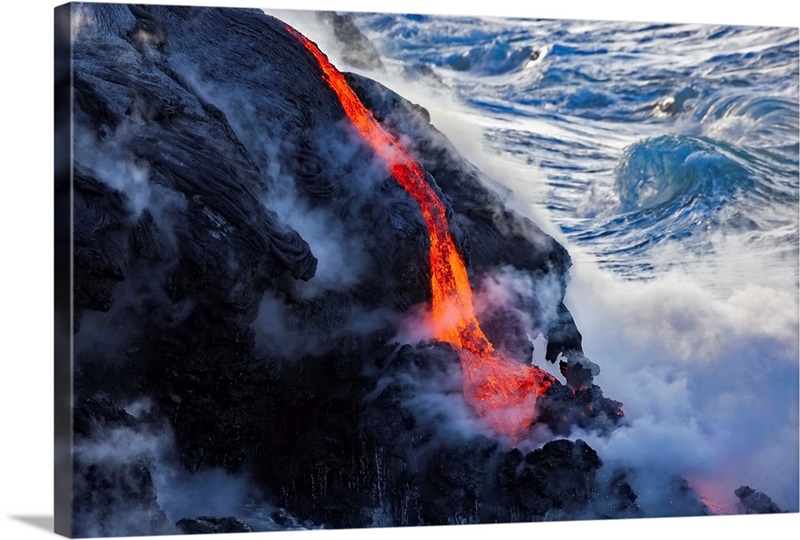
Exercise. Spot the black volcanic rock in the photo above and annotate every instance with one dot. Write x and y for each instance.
(245, 261)
(99, 414)
(563, 409)
(358, 50)
(558, 477)
(212, 525)
(113, 492)
(755, 502)
(100, 237)
(620, 498)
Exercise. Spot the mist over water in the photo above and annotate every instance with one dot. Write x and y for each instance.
(665, 158)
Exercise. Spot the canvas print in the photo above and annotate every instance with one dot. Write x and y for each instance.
(323, 270)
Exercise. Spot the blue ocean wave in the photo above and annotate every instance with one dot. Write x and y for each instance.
(681, 173)
(495, 58)
(647, 135)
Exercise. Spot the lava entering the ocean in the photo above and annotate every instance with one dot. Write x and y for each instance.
(499, 389)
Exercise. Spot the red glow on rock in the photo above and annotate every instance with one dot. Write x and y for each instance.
(714, 493)
(716, 509)
(501, 390)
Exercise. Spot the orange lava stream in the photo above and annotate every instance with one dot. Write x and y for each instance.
(501, 390)
(716, 509)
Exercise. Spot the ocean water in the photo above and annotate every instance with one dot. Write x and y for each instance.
(665, 157)
(649, 138)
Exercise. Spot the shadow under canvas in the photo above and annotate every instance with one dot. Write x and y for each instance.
(40, 522)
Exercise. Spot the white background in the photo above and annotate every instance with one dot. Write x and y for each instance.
(26, 275)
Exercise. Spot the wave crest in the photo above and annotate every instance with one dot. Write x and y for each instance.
(681, 171)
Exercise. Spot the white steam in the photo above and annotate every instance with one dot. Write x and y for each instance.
(281, 332)
(509, 287)
(109, 163)
(179, 493)
(709, 384)
(339, 249)
(340, 253)
(209, 492)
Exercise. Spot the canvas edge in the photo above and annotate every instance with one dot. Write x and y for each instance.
(62, 93)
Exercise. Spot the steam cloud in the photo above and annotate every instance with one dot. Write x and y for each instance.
(709, 383)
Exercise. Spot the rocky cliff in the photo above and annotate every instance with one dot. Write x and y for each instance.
(250, 290)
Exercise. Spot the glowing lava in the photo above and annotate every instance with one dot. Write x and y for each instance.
(716, 509)
(501, 390)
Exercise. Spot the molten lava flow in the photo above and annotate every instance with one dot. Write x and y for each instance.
(501, 390)
(716, 509)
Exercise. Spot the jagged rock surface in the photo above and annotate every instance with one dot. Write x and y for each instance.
(755, 502)
(358, 50)
(113, 493)
(212, 525)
